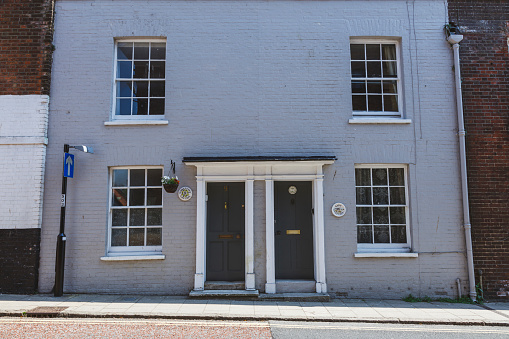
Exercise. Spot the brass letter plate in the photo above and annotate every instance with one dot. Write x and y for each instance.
(292, 231)
(225, 236)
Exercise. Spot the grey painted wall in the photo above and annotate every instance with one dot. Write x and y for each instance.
(254, 78)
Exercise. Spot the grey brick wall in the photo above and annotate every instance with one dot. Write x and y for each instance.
(254, 78)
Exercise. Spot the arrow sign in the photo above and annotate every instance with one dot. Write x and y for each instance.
(68, 165)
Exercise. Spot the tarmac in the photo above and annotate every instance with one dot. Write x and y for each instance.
(181, 307)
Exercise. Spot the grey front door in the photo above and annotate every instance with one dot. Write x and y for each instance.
(293, 230)
(225, 231)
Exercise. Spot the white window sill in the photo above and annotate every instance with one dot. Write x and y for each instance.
(379, 121)
(134, 257)
(135, 122)
(386, 255)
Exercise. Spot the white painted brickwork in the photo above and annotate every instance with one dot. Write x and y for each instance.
(23, 127)
(254, 78)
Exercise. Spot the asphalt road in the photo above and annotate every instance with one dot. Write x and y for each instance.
(139, 328)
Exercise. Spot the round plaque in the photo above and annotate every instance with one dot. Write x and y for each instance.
(338, 210)
(292, 189)
(185, 193)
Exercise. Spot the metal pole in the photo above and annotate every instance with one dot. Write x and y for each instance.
(61, 238)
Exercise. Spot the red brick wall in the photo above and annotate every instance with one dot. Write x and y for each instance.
(25, 46)
(485, 72)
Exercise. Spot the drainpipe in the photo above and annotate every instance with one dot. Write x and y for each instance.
(454, 37)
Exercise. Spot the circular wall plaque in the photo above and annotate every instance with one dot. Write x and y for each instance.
(185, 193)
(292, 189)
(338, 210)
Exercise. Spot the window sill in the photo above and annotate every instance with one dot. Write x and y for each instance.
(133, 257)
(135, 122)
(385, 255)
(379, 121)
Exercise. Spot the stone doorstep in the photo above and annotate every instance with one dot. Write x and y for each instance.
(224, 294)
(225, 285)
(317, 297)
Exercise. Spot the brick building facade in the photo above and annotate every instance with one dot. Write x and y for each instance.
(485, 81)
(25, 64)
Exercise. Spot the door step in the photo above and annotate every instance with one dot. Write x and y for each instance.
(224, 294)
(295, 286)
(318, 297)
(225, 285)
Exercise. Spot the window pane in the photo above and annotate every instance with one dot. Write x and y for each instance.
(140, 106)
(390, 86)
(357, 52)
(358, 69)
(124, 69)
(363, 195)
(157, 88)
(154, 196)
(123, 107)
(124, 89)
(358, 86)
(141, 89)
(154, 177)
(140, 70)
(119, 237)
(379, 176)
(137, 197)
(390, 70)
(120, 178)
(382, 234)
(136, 236)
(389, 52)
(158, 51)
(157, 70)
(137, 177)
(119, 217)
(397, 195)
(380, 196)
(398, 234)
(390, 103)
(154, 237)
(119, 197)
(156, 106)
(124, 50)
(364, 215)
(364, 235)
(137, 217)
(398, 215)
(375, 87)
(380, 215)
(397, 176)
(373, 52)
(374, 103)
(154, 216)
(362, 177)
(359, 103)
(141, 50)
(374, 69)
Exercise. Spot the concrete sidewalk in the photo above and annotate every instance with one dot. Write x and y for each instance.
(174, 307)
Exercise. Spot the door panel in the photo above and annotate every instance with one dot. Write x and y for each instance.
(293, 226)
(225, 231)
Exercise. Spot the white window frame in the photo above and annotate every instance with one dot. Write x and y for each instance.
(380, 114)
(116, 80)
(132, 250)
(386, 247)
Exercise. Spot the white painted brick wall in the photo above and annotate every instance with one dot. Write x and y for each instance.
(23, 132)
(254, 78)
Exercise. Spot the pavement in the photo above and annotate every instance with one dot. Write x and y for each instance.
(181, 307)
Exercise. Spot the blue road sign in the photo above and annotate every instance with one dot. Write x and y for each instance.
(68, 165)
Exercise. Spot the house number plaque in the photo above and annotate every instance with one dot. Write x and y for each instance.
(185, 193)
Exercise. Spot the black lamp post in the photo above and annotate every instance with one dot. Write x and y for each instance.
(61, 238)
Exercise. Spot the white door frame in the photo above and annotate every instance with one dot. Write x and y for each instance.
(270, 171)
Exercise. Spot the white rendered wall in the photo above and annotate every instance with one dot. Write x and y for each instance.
(23, 139)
